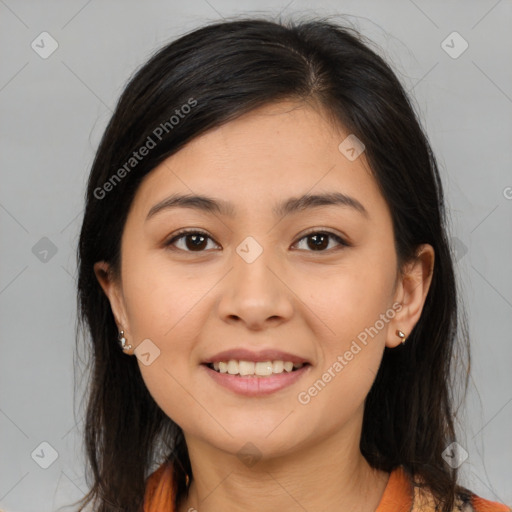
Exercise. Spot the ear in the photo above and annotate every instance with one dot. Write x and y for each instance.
(114, 293)
(411, 292)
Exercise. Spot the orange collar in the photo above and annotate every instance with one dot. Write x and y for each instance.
(159, 495)
(397, 495)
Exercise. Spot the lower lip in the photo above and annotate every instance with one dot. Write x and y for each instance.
(257, 386)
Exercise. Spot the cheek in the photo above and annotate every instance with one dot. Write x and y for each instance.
(350, 354)
(351, 298)
(166, 306)
(162, 298)
(354, 305)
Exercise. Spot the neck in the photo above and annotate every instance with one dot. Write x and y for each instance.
(332, 474)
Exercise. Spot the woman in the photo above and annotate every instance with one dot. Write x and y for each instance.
(265, 275)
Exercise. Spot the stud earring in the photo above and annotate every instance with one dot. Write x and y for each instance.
(122, 341)
(401, 335)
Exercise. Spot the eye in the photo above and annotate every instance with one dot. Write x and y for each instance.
(320, 240)
(194, 241)
(197, 241)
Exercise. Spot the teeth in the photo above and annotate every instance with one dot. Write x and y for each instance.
(260, 368)
(232, 367)
(263, 368)
(246, 367)
(277, 367)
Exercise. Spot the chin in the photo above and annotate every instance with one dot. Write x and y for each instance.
(248, 440)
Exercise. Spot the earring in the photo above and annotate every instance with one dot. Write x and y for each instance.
(401, 335)
(122, 341)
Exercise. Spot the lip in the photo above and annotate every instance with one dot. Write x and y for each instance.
(256, 386)
(248, 355)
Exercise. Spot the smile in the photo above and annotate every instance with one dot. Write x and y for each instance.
(255, 379)
(254, 368)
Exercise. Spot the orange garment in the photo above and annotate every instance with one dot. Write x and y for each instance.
(399, 495)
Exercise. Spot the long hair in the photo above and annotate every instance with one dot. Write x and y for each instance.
(222, 71)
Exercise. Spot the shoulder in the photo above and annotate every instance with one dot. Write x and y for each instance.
(406, 492)
(470, 502)
(464, 502)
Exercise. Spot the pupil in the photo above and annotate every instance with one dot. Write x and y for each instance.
(320, 245)
(195, 238)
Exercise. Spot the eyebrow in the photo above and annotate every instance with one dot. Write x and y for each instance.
(287, 207)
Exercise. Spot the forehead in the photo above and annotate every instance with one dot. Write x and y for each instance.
(278, 151)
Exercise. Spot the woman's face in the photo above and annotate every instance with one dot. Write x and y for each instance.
(266, 279)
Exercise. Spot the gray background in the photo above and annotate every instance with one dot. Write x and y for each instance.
(53, 112)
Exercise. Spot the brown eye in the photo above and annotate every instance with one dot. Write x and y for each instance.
(193, 241)
(197, 241)
(319, 240)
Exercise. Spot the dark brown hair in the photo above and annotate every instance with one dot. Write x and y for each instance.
(229, 69)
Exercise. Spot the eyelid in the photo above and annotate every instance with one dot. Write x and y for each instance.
(187, 231)
(341, 239)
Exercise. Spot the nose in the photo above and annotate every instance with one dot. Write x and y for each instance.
(256, 293)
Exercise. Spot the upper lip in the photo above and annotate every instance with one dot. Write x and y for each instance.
(242, 354)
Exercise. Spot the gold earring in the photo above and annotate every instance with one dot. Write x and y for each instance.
(401, 335)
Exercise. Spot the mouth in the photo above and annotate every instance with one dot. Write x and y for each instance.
(255, 369)
(256, 378)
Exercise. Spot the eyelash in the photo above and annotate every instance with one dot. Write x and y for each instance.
(182, 234)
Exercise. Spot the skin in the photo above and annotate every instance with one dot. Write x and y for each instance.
(194, 304)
